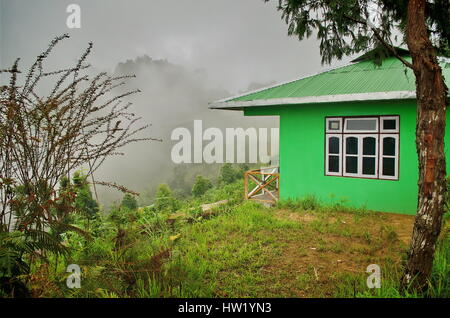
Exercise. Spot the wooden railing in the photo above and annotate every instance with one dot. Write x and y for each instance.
(264, 184)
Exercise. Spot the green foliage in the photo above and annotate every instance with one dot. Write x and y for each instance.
(201, 185)
(84, 202)
(12, 247)
(184, 175)
(165, 200)
(309, 202)
(312, 203)
(343, 29)
(129, 202)
(153, 252)
(227, 173)
(121, 216)
(15, 250)
(230, 173)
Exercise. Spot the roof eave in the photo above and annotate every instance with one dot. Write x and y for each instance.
(236, 105)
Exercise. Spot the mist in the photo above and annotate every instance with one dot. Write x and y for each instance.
(184, 53)
(171, 97)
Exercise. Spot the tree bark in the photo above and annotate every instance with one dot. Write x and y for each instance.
(430, 130)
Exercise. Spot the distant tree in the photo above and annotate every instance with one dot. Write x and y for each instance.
(129, 202)
(227, 173)
(346, 27)
(200, 186)
(180, 180)
(165, 200)
(242, 168)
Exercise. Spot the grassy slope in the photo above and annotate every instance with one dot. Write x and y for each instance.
(298, 249)
(257, 252)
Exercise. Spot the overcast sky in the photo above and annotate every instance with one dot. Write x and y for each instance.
(236, 42)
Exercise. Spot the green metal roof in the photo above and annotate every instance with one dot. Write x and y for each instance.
(357, 81)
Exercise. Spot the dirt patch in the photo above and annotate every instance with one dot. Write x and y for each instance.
(309, 262)
(295, 216)
(403, 225)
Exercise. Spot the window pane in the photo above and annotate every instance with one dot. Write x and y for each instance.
(362, 124)
(390, 124)
(333, 164)
(351, 145)
(389, 166)
(369, 145)
(389, 146)
(351, 164)
(333, 145)
(333, 125)
(368, 165)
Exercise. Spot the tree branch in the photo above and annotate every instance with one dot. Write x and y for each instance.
(382, 41)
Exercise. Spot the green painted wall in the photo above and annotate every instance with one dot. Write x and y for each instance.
(302, 138)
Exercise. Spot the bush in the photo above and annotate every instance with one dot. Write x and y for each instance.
(201, 185)
(129, 202)
(84, 201)
(121, 216)
(229, 173)
(165, 200)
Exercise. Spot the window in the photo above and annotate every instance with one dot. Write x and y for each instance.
(362, 147)
(361, 125)
(389, 124)
(334, 154)
(334, 125)
(389, 156)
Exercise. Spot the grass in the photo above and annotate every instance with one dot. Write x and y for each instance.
(253, 251)
(242, 249)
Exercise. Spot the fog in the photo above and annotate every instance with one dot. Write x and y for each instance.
(185, 53)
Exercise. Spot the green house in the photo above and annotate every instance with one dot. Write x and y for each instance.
(346, 133)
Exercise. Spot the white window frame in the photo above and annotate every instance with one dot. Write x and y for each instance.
(389, 131)
(396, 157)
(360, 156)
(327, 172)
(378, 134)
(331, 131)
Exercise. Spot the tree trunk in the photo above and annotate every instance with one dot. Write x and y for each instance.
(430, 130)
